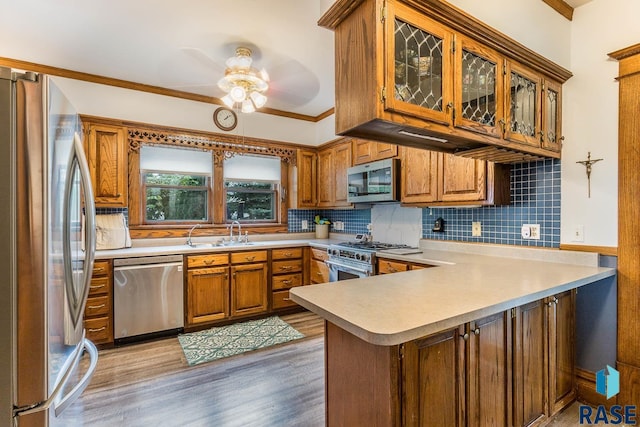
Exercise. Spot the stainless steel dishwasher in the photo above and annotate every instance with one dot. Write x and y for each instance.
(148, 295)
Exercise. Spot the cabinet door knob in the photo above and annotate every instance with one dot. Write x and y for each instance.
(476, 331)
(465, 336)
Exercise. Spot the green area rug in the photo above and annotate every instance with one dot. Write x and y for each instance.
(225, 341)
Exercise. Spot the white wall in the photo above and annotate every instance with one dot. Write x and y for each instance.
(113, 102)
(591, 118)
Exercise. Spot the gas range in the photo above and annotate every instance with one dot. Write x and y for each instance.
(358, 256)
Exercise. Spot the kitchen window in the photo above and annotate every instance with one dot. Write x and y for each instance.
(176, 184)
(252, 188)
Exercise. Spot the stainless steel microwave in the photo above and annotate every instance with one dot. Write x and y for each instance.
(373, 182)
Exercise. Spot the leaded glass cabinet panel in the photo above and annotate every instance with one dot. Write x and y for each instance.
(552, 116)
(418, 65)
(523, 106)
(478, 88)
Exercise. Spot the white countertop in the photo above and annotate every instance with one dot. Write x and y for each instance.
(394, 308)
(173, 248)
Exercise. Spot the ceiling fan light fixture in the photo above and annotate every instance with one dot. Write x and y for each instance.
(243, 83)
(258, 99)
(247, 106)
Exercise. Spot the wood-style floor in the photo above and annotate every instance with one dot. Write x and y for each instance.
(150, 384)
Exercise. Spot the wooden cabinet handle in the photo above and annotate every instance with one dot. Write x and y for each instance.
(286, 282)
(250, 258)
(285, 267)
(96, 287)
(97, 330)
(319, 273)
(99, 269)
(288, 254)
(208, 261)
(286, 299)
(95, 307)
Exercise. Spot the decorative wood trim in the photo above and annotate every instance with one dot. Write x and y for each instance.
(602, 250)
(561, 7)
(465, 24)
(222, 147)
(626, 52)
(326, 114)
(126, 84)
(586, 388)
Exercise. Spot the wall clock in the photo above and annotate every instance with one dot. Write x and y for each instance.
(225, 119)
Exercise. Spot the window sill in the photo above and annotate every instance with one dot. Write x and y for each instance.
(182, 230)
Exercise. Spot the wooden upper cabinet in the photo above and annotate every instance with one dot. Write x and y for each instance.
(440, 179)
(333, 163)
(552, 116)
(479, 94)
(462, 179)
(419, 175)
(523, 100)
(306, 179)
(427, 74)
(107, 158)
(418, 61)
(369, 151)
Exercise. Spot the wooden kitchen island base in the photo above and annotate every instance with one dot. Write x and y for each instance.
(511, 368)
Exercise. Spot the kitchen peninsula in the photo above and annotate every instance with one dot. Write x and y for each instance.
(454, 345)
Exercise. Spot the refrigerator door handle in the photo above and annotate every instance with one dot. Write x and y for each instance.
(76, 301)
(67, 369)
(62, 403)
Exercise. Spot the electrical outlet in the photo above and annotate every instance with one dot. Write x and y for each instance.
(305, 224)
(525, 231)
(338, 225)
(476, 229)
(369, 227)
(535, 231)
(578, 233)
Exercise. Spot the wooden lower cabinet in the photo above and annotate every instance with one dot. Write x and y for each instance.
(287, 270)
(561, 320)
(530, 364)
(387, 266)
(495, 371)
(248, 289)
(318, 270)
(207, 294)
(433, 371)
(98, 312)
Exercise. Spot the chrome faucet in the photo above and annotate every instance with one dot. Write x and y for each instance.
(231, 231)
(189, 242)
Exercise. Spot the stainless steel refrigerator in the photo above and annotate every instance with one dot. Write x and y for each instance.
(47, 241)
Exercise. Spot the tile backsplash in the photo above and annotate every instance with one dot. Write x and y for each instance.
(535, 199)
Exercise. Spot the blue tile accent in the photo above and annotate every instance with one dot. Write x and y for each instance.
(105, 211)
(355, 220)
(535, 199)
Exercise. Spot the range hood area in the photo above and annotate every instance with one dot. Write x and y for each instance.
(425, 74)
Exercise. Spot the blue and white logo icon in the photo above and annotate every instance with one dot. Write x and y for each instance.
(608, 383)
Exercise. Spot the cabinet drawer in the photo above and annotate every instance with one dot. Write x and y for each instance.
(285, 281)
(248, 256)
(101, 268)
(292, 266)
(100, 286)
(320, 254)
(319, 272)
(281, 300)
(385, 266)
(207, 260)
(98, 306)
(286, 253)
(98, 330)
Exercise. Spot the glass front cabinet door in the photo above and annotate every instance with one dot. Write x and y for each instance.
(478, 89)
(418, 64)
(523, 92)
(552, 116)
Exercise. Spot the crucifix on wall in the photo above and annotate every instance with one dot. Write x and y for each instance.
(588, 163)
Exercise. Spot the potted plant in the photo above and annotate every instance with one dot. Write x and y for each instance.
(322, 227)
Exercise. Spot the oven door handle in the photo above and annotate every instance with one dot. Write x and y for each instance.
(346, 267)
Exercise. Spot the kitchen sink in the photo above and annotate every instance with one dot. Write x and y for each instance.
(220, 244)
